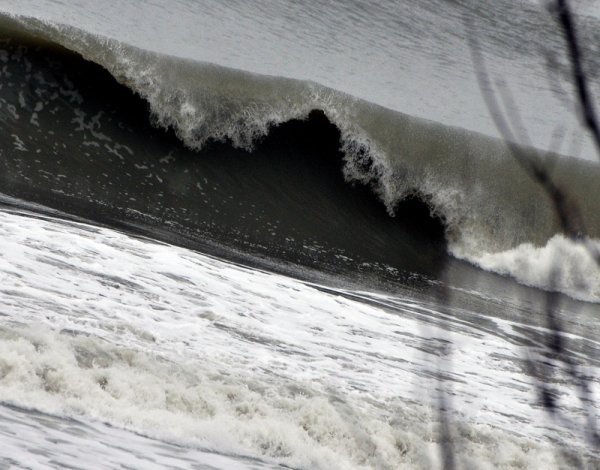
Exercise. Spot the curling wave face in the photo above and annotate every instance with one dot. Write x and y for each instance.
(468, 181)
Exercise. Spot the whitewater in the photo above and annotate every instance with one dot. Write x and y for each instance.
(188, 349)
(277, 235)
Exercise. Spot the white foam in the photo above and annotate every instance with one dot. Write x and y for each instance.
(32, 440)
(561, 265)
(191, 350)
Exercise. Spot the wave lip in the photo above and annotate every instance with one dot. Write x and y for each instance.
(470, 181)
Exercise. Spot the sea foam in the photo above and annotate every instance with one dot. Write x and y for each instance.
(198, 352)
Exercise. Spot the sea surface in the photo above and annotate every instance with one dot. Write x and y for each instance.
(281, 234)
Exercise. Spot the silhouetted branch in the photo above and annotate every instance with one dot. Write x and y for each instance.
(568, 213)
(444, 400)
(567, 22)
(510, 126)
(446, 439)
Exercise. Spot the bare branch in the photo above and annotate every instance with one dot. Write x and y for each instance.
(568, 213)
(509, 124)
(566, 21)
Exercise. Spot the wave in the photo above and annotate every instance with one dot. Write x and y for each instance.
(470, 182)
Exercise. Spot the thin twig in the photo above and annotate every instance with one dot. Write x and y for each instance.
(568, 214)
(567, 22)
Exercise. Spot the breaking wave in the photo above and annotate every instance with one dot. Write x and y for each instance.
(494, 215)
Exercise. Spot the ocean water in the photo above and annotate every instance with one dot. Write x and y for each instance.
(287, 235)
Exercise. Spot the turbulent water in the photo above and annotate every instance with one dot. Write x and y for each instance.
(248, 237)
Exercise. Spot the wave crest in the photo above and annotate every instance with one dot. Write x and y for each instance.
(470, 181)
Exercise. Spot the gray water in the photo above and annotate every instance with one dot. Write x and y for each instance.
(412, 57)
(285, 318)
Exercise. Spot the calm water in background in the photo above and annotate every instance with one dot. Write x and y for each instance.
(409, 56)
